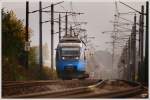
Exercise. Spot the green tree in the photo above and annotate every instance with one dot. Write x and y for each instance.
(13, 36)
(13, 42)
(13, 54)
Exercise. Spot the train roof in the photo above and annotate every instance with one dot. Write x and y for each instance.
(70, 40)
(70, 45)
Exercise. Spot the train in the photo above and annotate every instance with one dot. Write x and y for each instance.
(71, 58)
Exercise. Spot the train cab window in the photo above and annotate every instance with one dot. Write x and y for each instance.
(70, 53)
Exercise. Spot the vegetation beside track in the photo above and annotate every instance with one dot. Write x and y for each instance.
(13, 53)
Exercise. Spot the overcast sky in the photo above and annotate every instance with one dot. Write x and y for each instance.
(97, 14)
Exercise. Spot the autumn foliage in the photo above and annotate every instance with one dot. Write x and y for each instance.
(13, 53)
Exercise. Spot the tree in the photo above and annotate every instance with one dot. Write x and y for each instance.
(13, 42)
(13, 35)
(13, 53)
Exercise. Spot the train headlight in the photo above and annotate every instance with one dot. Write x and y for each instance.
(63, 58)
(76, 58)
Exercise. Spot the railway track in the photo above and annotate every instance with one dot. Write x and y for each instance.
(26, 87)
(95, 89)
(24, 84)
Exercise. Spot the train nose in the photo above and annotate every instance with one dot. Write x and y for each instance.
(70, 68)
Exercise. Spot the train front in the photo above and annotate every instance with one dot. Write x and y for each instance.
(70, 60)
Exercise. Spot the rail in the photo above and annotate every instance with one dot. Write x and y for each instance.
(100, 89)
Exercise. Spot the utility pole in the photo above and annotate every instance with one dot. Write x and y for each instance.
(141, 32)
(142, 35)
(146, 42)
(40, 36)
(52, 33)
(128, 75)
(59, 26)
(66, 22)
(113, 52)
(27, 34)
(132, 55)
(140, 38)
(134, 61)
(133, 47)
(129, 58)
(71, 31)
(126, 60)
(114, 35)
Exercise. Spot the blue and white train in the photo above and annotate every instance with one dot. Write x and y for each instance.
(71, 58)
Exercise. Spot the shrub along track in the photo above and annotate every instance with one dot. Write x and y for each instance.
(86, 89)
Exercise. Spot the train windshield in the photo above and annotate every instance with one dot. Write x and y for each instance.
(70, 53)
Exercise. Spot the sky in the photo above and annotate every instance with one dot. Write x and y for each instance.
(97, 15)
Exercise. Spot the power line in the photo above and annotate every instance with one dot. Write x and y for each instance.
(132, 8)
